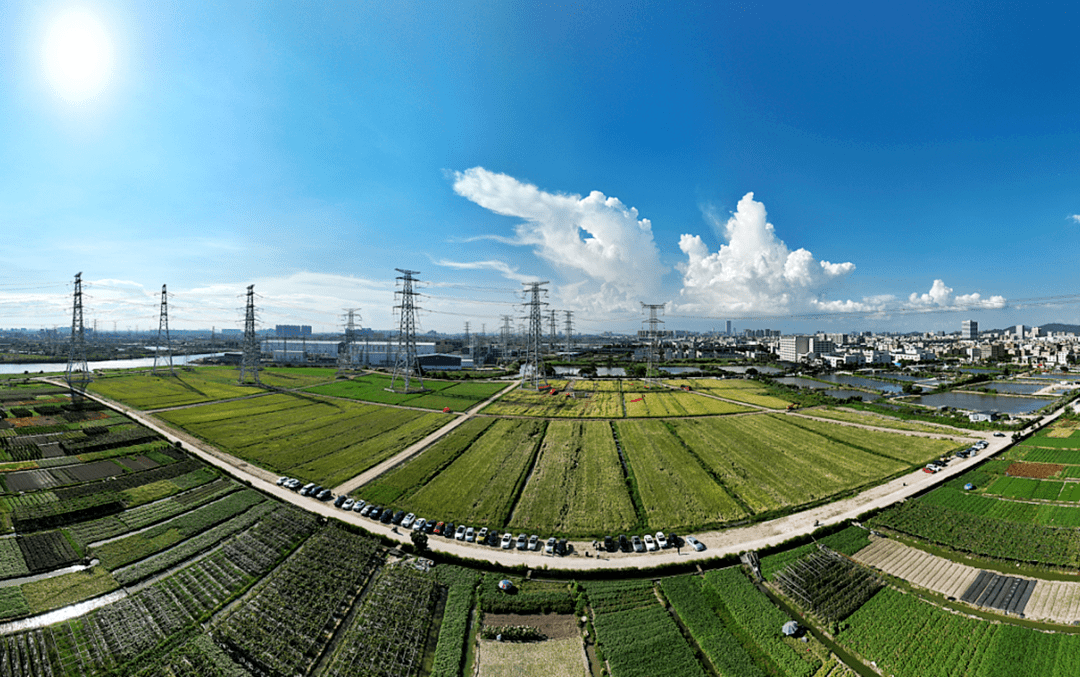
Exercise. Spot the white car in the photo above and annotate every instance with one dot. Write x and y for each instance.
(359, 505)
(650, 544)
(695, 543)
(661, 540)
(408, 521)
(549, 547)
(507, 541)
(348, 504)
(419, 524)
(460, 533)
(470, 535)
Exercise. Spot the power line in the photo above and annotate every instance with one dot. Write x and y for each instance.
(533, 365)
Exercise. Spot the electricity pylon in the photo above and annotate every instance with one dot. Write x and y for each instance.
(249, 362)
(406, 365)
(534, 367)
(163, 342)
(77, 372)
(569, 328)
(653, 336)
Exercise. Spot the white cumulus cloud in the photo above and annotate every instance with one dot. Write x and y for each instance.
(941, 297)
(603, 245)
(755, 272)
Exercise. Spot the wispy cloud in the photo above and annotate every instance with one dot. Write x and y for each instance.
(597, 239)
(501, 267)
(1075, 217)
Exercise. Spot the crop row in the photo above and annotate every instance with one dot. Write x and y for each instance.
(967, 532)
(12, 563)
(129, 480)
(389, 634)
(752, 611)
(699, 612)
(453, 633)
(46, 550)
(529, 598)
(642, 639)
(847, 541)
(117, 553)
(281, 626)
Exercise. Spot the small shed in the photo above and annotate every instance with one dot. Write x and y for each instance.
(790, 629)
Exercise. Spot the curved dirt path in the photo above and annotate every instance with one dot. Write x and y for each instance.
(584, 557)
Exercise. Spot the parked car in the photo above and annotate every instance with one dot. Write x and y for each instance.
(650, 543)
(695, 543)
(307, 489)
(609, 543)
(375, 512)
(562, 547)
(359, 506)
(419, 524)
(294, 484)
(448, 530)
(348, 504)
(636, 542)
(439, 527)
(429, 527)
(661, 540)
(470, 535)
(534, 542)
(522, 541)
(340, 500)
(324, 495)
(460, 533)
(398, 517)
(999, 434)
(282, 480)
(624, 543)
(387, 516)
(507, 541)
(930, 468)
(407, 521)
(481, 537)
(549, 547)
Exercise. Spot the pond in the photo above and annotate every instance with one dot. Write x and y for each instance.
(741, 369)
(800, 382)
(60, 367)
(970, 402)
(600, 371)
(1014, 387)
(849, 380)
(843, 394)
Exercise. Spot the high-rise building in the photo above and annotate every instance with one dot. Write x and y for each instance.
(791, 347)
(969, 330)
(1019, 331)
(729, 327)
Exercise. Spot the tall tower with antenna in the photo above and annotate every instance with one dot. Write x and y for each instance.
(653, 333)
(534, 368)
(569, 329)
(551, 322)
(504, 337)
(163, 349)
(406, 365)
(77, 373)
(249, 362)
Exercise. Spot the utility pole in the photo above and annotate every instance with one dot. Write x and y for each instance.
(406, 364)
(653, 336)
(77, 373)
(163, 342)
(249, 362)
(569, 328)
(533, 366)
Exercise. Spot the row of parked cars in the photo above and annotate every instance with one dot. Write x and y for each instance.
(483, 536)
(649, 542)
(934, 466)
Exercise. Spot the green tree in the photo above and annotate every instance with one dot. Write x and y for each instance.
(419, 540)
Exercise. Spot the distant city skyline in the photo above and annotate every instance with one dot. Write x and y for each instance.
(832, 167)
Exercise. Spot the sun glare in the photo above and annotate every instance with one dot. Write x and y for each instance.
(78, 55)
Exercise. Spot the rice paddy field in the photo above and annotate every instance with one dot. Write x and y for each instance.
(319, 440)
(456, 395)
(145, 391)
(740, 390)
(609, 399)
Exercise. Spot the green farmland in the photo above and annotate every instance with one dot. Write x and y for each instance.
(458, 396)
(609, 399)
(740, 390)
(203, 384)
(318, 440)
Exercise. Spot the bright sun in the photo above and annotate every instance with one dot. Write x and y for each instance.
(78, 55)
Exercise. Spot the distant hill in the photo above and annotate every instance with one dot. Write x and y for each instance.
(1074, 328)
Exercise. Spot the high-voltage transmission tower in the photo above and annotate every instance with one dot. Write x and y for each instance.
(406, 364)
(504, 337)
(164, 345)
(569, 328)
(551, 320)
(653, 335)
(534, 367)
(77, 372)
(466, 344)
(249, 362)
(347, 351)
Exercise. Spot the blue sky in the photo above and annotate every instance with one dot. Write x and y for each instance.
(910, 165)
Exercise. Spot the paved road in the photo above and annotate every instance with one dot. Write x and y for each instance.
(719, 543)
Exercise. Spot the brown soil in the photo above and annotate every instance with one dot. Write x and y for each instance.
(1039, 471)
(554, 626)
